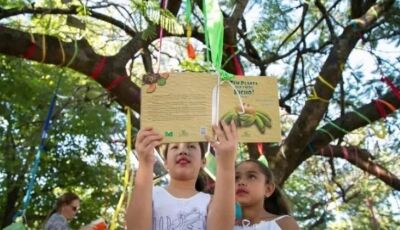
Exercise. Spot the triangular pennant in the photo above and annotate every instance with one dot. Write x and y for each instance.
(263, 160)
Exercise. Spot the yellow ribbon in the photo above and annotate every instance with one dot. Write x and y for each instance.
(314, 96)
(62, 52)
(326, 83)
(32, 38)
(127, 168)
(43, 48)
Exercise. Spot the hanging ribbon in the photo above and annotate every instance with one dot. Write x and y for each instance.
(164, 4)
(36, 162)
(236, 62)
(126, 181)
(262, 157)
(62, 52)
(214, 35)
(76, 49)
(214, 30)
(189, 47)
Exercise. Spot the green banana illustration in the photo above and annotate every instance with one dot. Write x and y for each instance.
(229, 116)
(252, 116)
(247, 120)
(260, 124)
(265, 118)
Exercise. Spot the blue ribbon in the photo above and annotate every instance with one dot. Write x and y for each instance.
(35, 166)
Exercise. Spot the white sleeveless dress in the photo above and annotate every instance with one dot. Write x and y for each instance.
(171, 213)
(263, 225)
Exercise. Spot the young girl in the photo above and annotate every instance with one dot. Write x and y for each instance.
(263, 205)
(180, 206)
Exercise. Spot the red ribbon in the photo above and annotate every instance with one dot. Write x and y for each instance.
(30, 51)
(98, 68)
(190, 51)
(236, 63)
(115, 83)
(380, 109)
(260, 148)
(395, 90)
(345, 153)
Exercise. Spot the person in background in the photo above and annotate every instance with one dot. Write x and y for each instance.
(65, 209)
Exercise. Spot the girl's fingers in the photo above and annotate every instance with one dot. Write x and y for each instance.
(150, 148)
(219, 133)
(212, 141)
(143, 133)
(155, 144)
(227, 130)
(234, 130)
(151, 138)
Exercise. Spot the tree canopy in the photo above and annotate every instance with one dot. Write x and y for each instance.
(336, 61)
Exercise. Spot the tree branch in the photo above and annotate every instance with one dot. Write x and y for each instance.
(372, 15)
(237, 13)
(352, 121)
(363, 160)
(326, 15)
(314, 110)
(82, 58)
(68, 11)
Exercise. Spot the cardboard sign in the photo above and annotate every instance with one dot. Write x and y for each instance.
(180, 106)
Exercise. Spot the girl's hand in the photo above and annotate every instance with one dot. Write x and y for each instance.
(225, 144)
(146, 141)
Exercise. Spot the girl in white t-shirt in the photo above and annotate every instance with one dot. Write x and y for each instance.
(180, 206)
(262, 203)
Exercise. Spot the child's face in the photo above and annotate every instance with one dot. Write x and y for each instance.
(251, 185)
(184, 160)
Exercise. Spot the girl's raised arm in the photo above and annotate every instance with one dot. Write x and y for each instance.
(139, 212)
(221, 213)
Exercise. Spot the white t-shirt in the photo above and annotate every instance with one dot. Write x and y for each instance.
(263, 225)
(171, 213)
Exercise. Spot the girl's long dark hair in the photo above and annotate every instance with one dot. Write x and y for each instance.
(65, 199)
(277, 203)
(200, 184)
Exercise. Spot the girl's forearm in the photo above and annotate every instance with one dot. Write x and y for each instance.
(221, 214)
(139, 212)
